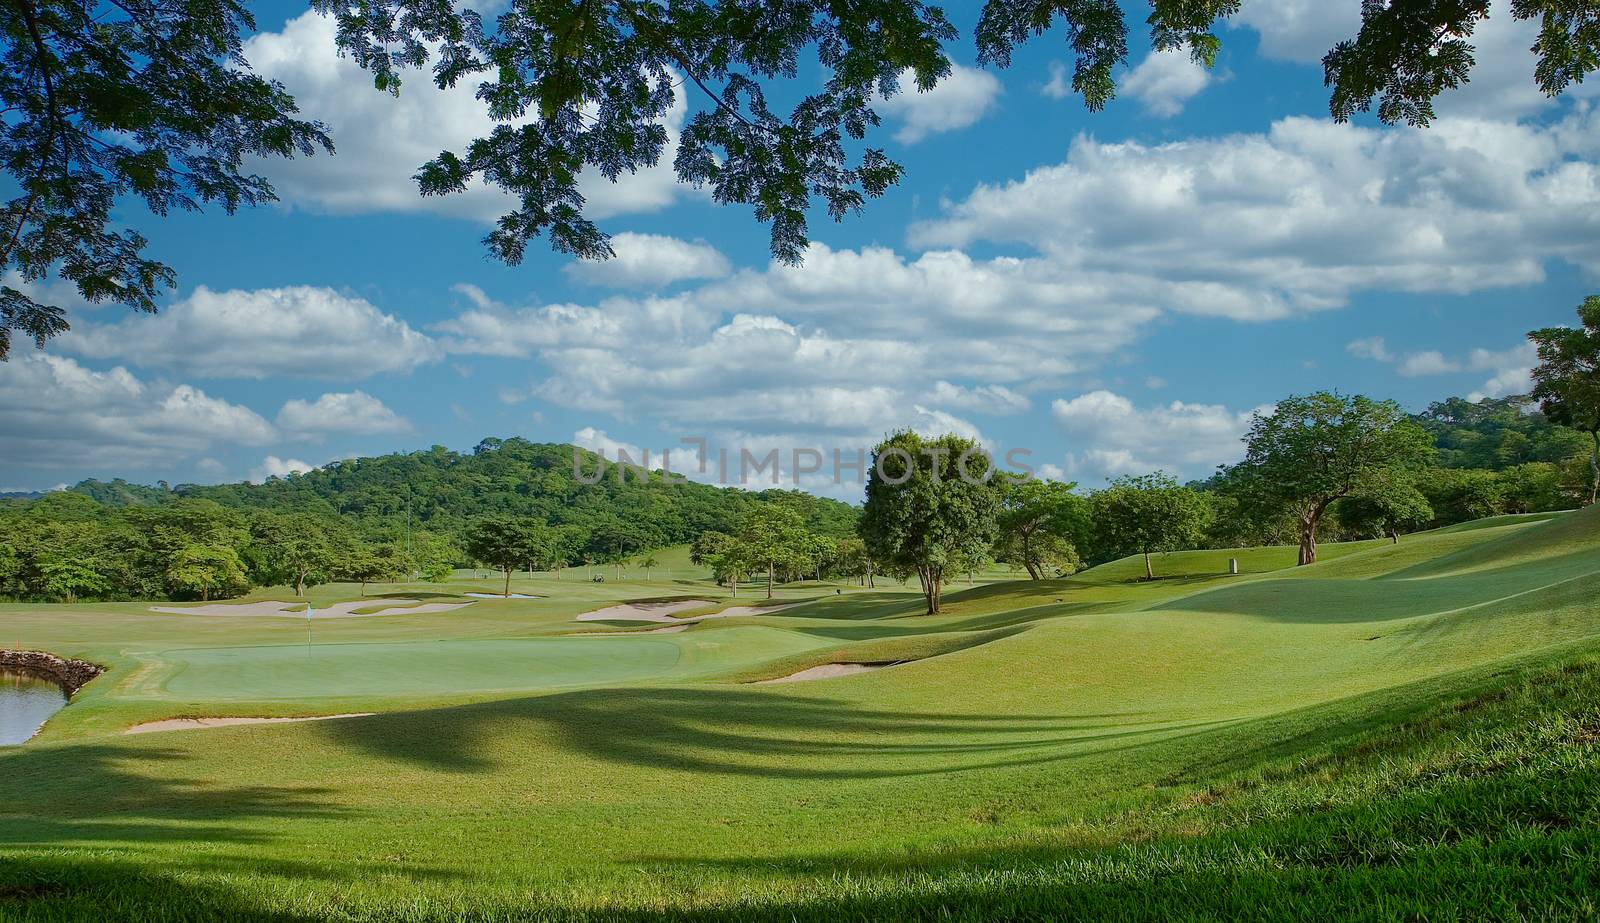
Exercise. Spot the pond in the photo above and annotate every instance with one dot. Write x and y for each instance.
(26, 701)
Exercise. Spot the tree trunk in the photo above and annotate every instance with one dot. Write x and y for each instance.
(1308, 541)
(1394, 535)
(1594, 465)
(931, 583)
(205, 594)
(770, 568)
(363, 588)
(1033, 570)
(1149, 573)
(300, 583)
(507, 593)
(870, 583)
(733, 581)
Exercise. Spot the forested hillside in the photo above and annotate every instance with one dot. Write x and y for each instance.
(357, 519)
(440, 490)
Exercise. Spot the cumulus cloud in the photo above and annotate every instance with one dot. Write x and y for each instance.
(1370, 348)
(382, 140)
(1299, 30)
(1110, 436)
(957, 102)
(274, 467)
(1059, 86)
(650, 261)
(1166, 80)
(995, 399)
(1502, 83)
(56, 413)
(1263, 226)
(1428, 362)
(350, 413)
(1512, 370)
(300, 331)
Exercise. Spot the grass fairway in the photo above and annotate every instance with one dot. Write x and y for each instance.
(1399, 732)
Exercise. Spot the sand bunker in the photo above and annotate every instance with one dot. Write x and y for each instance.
(642, 612)
(292, 610)
(663, 612)
(751, 610)
(185, 724)
(502, 596)
(828, 671)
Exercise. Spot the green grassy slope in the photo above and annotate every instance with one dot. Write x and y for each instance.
(1403, 730)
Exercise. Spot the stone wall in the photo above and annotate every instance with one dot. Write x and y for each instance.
(71, 674)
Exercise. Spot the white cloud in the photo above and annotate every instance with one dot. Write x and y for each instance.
(1512, 370)
(1370, 348)
(274, 467)
(1429, 362)
(57, 413)
(299, 331)
(1059, 86)
(1501, 85)
(959, 100)
(650, 261)
(349, 413)
(382, 140)
(1165, 80)
(1109, 436)
(1263, 226)
(995, 399)
(1299, 30)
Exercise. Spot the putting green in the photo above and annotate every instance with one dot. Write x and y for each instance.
(413, 669)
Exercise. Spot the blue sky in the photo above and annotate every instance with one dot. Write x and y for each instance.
(1114, 291)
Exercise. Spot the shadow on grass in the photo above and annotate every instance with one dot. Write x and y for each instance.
(739, 732)
(94, 793)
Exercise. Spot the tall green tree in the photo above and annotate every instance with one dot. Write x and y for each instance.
(772, 537)
(1144, 514)
(1042, 524)
(207, 570)
(507, 544)
(1566, 381)
(1386, 508)
(1314, 450)
(931, 507)
(295, 549)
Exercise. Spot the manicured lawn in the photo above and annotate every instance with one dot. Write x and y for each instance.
(1401, 731)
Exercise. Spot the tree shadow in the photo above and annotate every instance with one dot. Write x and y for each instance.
(89, 793)
(747, 732)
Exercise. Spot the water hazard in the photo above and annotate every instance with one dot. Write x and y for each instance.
(26, 702)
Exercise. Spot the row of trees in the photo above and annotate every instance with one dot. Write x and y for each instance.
(66, 546)
(934, 506)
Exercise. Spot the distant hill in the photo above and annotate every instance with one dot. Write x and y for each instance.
(441, 490)
(1497, 433)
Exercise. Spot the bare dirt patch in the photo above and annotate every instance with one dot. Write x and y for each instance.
(189, 724)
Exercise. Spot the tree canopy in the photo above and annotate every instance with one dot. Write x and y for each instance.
(129, 100)
(135, 99)
(1567, 379)
(1143, 514)
(1313, 450)
(931, 507)
(508, 544)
